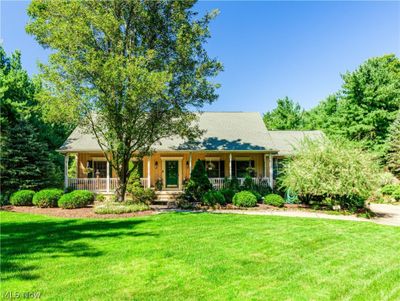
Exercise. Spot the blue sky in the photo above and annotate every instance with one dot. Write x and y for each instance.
(269, 49)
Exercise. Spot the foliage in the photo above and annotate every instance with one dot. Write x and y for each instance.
(141, 195)
(198, 184)
(134, 179)
(22, 198)
(331, 168)
(76, 199)
(396, 194)
(47, 197)
(389, 189)
(228, 194)
(100, 198)
(213, 197)
(274, 200)
(159, 184)
(286, 116)
(393, 155)
(28, 159)
(133, 70)
(244, 199)
(119, 208)
(232, 184)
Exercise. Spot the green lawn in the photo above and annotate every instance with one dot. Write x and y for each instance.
(199, 257)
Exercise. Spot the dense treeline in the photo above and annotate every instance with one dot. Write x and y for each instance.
(28, 143)
(364, 110)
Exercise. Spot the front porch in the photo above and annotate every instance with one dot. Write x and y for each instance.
(108, 185)
(170, 170)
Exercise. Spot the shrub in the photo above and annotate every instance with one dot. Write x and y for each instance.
(228, 194)
(119, 208)
(337, 169)
(76, 199)
(142, 195)
(100, 197)
(389, 189)
(257, 195)
(22, 198)
(232, 184)
(213, 197)
(244, 199)
(47, 197)
(396, 194)
(69, 189)
(198, 184)
(274, 200)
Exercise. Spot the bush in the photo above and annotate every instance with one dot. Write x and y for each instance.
(232, 184)
(336, 169)
(244, 199)
(142, 195)
(389, 189)
(228, 194)
(100, 197)
(119, 208)
(69, 189)
(198, 184)
(396, 194)
(47, 197)
(213, 197)
(76, 199)
(22, 198)
(274, 200)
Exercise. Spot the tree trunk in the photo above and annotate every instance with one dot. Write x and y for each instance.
(123, 176)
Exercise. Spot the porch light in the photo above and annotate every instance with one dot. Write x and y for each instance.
(210, 166)
(156, 165)
(187, 164)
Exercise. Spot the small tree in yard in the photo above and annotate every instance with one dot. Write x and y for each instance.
(332, 169)
(129, 70)
(198, 184)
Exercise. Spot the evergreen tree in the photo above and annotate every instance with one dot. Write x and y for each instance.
(393, 156)
(198, 184)
(25, 161)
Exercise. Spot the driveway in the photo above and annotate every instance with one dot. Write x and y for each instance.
(386, 214)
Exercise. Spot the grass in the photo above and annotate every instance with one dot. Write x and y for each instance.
(187, 256)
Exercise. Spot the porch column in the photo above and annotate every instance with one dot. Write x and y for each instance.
(108, 177)
(148, 171)
(230, 165)
(66, 159)
(271, 171)
(265, 165)
(190, 163)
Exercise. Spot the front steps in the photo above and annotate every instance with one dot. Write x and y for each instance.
(167, 197)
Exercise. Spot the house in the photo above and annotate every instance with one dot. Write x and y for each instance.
(233, 144)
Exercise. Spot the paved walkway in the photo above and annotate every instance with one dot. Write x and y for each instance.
(386, 214)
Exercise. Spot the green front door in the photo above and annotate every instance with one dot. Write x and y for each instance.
(171, 173)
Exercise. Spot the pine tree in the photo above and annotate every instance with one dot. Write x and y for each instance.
(393, 156)
(25, 160)
(198, 184)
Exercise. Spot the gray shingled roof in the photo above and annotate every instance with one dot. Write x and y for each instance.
(235, 131)
(287, 141)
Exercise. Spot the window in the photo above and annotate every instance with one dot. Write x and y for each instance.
(241, 168)
(99, 169)
(277, 167)
(215, 168)
(139, 167)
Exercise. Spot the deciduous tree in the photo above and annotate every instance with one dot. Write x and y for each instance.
(130, 71)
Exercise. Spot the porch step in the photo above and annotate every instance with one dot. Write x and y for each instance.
(167, 196)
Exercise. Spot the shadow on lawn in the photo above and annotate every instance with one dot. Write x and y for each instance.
(61, 238)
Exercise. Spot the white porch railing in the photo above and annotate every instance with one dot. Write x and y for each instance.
(98, 184)
(218, 183)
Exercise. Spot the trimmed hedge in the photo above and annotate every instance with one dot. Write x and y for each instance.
(389, 189)
(76, 199)
(47, 197)
(244, 199)
(274, 200)
(396, 194)
(22, 198)
(213, 197)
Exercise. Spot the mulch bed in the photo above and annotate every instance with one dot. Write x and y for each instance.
(73, 213)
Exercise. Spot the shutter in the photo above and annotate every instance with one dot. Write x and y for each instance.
(233, 171)
(90, 165)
